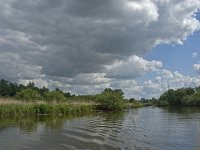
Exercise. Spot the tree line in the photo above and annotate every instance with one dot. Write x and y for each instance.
(27, 92)
(108, 99)
(180, 97)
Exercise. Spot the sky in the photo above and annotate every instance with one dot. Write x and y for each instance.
(139, 46)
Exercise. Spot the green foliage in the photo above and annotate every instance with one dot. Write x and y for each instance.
(38, 109)
(193, 100)
(136, 104)
(131, 100)
(176, 97)
(85, 98)
(56, 96)
(116, 91)
(162, 103)
(149, 102)
(180, 97)
(31, 92)
(28, 95)
(111, 100)
(8, 89)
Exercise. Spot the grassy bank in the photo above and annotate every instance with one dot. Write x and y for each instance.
(13, 108)
(135, 104)
(28, 99)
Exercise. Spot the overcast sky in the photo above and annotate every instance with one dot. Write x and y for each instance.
(84, 46)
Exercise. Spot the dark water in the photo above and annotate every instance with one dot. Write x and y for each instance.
(145, 128)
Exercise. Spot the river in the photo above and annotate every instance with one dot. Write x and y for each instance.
(149, 128)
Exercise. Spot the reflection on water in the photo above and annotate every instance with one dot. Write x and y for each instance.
(144, 128)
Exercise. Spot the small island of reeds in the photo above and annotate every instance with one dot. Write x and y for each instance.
(18, 99)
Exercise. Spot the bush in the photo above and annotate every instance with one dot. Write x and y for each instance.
(54, 96)
(193, 100)
(136, 104)
(8, 89)
(132, 100)
(161, 103)
(175, 97)
(29, 95)
(110, 101)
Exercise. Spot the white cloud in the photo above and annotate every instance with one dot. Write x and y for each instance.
(196, 68)
(140, 8)
(167, 74)
(38, 82)
(68, 38)
(156, 86)
(195, 54)
(125, 84)
(81, 45)
(132, 67)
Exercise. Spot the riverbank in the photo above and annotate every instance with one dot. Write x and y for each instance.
(13, 107)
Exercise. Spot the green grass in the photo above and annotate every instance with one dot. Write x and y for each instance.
(43, 109)
(135, 104)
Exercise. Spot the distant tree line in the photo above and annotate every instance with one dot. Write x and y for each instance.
(29, 91)
(180, 97)
(109, 99)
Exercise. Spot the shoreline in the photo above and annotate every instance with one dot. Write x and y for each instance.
(42, 108)
(11, 107)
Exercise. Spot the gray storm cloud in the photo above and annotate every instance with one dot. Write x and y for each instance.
(69, 38)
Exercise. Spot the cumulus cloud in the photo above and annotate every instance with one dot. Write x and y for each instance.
(74, 40)
(133, 67)
(196, 68)
(157, 85)
(195, 54)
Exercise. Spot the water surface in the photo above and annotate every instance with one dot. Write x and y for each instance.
(148, 128)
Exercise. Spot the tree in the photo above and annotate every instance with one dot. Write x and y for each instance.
(54, 96)
(176, 97)
(29, 95)
(31, 84)
(111, 100)
(132, 100)
(8, 89)
(116, 91)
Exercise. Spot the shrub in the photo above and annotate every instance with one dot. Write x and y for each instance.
(110, 101)
(54, 96)
(29, 95)
(161, 103)
(175, 97)
(193, 100)
(132, 100)
(136, 104)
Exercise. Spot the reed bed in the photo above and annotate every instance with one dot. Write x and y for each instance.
(13, 108)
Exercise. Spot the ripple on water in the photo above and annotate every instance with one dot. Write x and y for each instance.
(137, 129)
(96, 132)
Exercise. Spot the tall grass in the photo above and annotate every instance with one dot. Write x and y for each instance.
(135, 104)
(43, 109)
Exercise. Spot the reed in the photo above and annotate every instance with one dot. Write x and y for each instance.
(43, 109)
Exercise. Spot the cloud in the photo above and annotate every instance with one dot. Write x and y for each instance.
(133, 67)
(67, 38)
(13, 67)
(157, 85)
(196, 68)
(167, 74)
(74, 40)
(195, 54)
